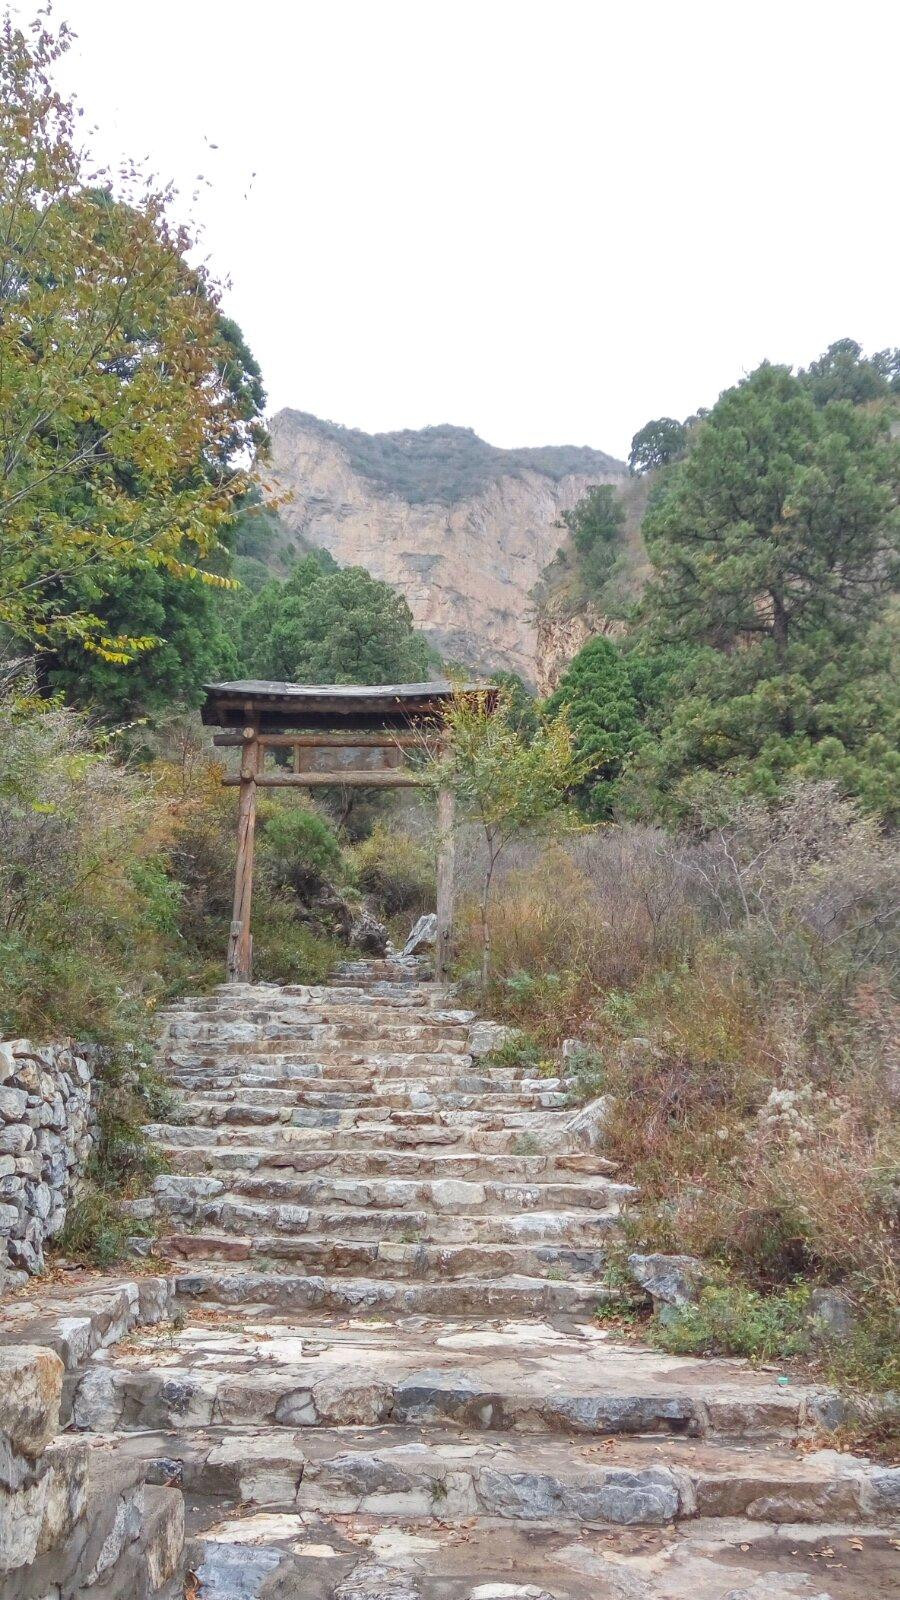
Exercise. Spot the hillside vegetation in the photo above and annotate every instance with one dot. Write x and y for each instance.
(685, 859)
(445, 463)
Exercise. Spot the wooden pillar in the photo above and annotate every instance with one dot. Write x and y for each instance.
(239, 965)
(445, 813)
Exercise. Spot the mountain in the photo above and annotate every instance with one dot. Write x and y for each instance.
(462, 529)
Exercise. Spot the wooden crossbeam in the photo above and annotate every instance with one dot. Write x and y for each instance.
(395, 778)
(329, 741)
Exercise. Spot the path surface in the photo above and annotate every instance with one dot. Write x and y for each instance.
(390, 1383)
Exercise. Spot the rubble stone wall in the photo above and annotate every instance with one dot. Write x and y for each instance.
(47, 1132)
(75, 1522)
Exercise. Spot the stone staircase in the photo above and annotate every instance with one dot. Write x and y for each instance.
(387, 1380)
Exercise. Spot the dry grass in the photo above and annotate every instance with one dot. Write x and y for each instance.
(735, 990)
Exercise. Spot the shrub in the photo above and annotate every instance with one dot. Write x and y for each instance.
(731, 1320)
(284, 951)
(396, 870)
(95, 1231)
(733, 986)
(297, 848)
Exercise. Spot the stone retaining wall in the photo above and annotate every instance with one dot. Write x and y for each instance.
(47, 1132)
(75, 1521)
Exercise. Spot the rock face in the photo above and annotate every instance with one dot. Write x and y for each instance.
(463, 531)
(46, 1136)
(559, 636)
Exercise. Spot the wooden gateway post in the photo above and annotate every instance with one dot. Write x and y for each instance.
(344, 735)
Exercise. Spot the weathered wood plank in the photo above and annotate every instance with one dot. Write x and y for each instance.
(329, 741)
(445, 863)
(396, 778)
(240, 944)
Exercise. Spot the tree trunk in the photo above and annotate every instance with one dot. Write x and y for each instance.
(779, 627)
(485, 918)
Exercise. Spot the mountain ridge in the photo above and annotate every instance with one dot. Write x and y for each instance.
(461, 528)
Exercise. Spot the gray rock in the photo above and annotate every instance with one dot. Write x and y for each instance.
(423, 935)
(831, 1313)
(235, 1571)
(15, 1137)
(26, 1255)
(673, 1280)
(484, 1037)
(13, 1102)
(571, 1049)
(882, 1492)
(369, 935)
(30, 1389)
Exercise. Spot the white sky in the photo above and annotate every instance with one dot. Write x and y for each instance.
(549, 220)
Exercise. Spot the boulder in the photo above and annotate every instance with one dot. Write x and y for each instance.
(671, 1280)
(369, 935)
(423, 935)
(831, 1313)
(485, 1037)
(30, 1391)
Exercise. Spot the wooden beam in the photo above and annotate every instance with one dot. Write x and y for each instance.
(328, 741)
(395, 778)
(445, 860)
(239, 962)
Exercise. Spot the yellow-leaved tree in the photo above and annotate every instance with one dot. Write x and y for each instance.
(124, 439)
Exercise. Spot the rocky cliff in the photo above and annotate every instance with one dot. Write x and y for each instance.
(462, 529)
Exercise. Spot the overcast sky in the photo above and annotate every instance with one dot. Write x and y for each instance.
(548, 220)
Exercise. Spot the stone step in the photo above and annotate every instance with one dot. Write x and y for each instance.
(286, 1072)
(280, 1033)
(356, 989)
(179, 1195)
(360, 1557)
(396, 1471)
(372, 1122)
(262, 1221)
(286, 1293)
(347, 1078)
(335, 1166)
(402, 1096)
(249, 1113)
(351, 1136)
(367, 1013)
(527, 1377)
(387, 1257)
(287, 1052)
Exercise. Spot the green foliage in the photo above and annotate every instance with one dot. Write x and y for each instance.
(506, 783)
(129, 399)
(190, 620)
(520, 1050)
(74, 931)
(783, 520)
(286, 951)
(657, 443)
(95, 1232)
(521, 706)
(396, 870)
(587, 1070)
(192, 646)
(735, 1321)
(445, 464)
(298, 849)
(597, 695)
(775, 551)
(332, 627)
(595, 525)
(844, 373)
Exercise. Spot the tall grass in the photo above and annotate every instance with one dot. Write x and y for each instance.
(735, 987)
